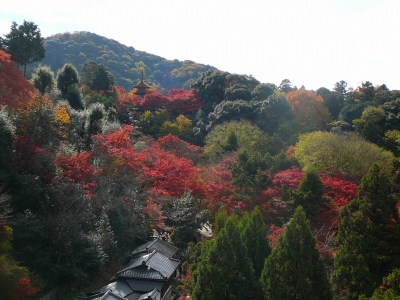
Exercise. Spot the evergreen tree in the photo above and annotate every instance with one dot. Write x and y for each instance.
(24, 43)
(103, 80)
(369, 236)
(294, 269)
(43, 79)
(66, 77)
(225, 270)
(249, 175)
(221, 217)
(254, 235)
(390, 289)
(309, 194)
(231, 142)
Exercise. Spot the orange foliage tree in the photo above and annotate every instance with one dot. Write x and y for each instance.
(14, 88)
(308, 108)
(118, 149)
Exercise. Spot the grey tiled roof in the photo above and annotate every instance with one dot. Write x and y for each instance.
(111, 296)
(159, 245)
(138, 285)
(119, 287)
(141, 273)
(150, 266)
(150, 295)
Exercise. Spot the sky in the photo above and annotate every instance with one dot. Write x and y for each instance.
(313, 43)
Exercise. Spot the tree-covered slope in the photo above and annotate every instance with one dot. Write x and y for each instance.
(124, 62)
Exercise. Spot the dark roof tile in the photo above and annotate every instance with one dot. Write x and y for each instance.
(150, 266)
(111, 296)
(159, 245)
(138, 285)
(150, 295)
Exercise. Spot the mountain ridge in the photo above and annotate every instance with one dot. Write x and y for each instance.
(124, 62)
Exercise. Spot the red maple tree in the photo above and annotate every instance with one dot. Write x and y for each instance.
(78, 169)
(15, 90)
(185, 101)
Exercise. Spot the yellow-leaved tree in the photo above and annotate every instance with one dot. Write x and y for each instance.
(347, 153)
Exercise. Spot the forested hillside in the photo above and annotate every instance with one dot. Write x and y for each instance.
(125, 63)
(299, 187)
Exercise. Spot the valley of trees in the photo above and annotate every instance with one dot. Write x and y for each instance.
(299, 187)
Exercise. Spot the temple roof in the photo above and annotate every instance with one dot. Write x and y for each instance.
(159, 245)
(153, 266)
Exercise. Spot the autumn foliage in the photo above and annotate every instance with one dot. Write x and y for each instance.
(15, 90)
(78, 169)
(119, 149)
(172, 176)
(178, 101)
(24, 289)
(308, 108)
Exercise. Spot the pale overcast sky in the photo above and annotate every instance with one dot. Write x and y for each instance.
(313, 43)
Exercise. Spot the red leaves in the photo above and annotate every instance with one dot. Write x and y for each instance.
(179, 101)
(340, 190)
(289, 178)
(24, 289)
(156, 101)
(185, 102)
(78, 169)
(275, 233)
(125, 100)
(27, 152)
(179, 148)
(119, 149)
(154, 215)
(15, 90)
(215, 184)
(172, 176)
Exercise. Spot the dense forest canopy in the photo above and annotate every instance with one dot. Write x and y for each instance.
(89, 169)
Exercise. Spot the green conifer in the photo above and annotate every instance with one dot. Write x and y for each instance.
(294, 269)
(254, 235)
(369, 236)
(310, 193)
(225, 271)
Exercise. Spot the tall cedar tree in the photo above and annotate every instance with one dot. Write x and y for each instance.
(225, 271)
(254, 235)
(369, 236)
(294, 269)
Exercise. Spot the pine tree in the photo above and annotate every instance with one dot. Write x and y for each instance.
(294, 269)
(225, 270)
(369, 236)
